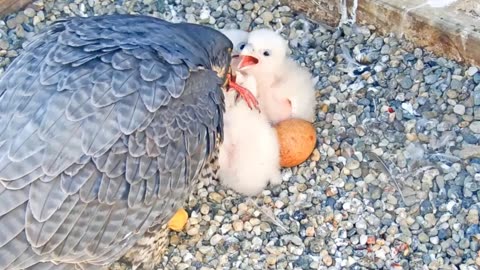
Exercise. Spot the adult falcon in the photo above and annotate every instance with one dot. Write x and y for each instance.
(105, 125)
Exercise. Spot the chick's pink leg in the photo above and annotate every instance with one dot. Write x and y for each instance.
(243, 92)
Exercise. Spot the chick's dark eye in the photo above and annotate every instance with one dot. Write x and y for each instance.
(266, 53)
(242, 45)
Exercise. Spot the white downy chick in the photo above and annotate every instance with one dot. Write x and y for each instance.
(286, 89)
(239, 39)
(249, 157)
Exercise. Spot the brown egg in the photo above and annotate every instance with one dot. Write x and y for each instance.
(297, 139)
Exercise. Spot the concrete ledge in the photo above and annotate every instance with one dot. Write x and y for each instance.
(452, 31)
(10, 6)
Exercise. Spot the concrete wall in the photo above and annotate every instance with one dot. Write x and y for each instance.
(452, 31)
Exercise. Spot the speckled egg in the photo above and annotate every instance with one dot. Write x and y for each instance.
(297, 139)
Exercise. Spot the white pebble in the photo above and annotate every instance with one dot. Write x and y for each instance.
(29, 12)
(380, 254)
(192, 231)
(472, 71)
(363, 239)
(257, 242)
(215, 239)
(279, 204)
(205, 14)
(238, 225)
(247, 226)
(459, 109)
(352, 120)
(226, 228)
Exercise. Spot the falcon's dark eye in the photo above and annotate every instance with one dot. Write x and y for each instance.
(266, 53)
(241, 46)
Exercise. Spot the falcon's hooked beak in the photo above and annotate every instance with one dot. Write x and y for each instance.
(230, 82)
(235, 60)
(243, 92)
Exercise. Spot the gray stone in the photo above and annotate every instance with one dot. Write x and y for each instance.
(29, 12)
(236, 5)
(406, 82)
(459, 109)
(475, 127)
(472, 71)
(430, 79)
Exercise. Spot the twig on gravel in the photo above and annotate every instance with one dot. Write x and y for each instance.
(444, 157)
(387, 170)
(269, 213)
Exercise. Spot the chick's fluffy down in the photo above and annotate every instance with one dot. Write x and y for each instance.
(285, 88)
(291, 96)
(249, 156)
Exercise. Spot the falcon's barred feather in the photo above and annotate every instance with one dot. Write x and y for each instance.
(105, 124)
(149, 250)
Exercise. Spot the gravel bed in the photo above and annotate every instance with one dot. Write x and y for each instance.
(390, 117)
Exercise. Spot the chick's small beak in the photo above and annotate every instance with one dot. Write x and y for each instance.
(246, 61)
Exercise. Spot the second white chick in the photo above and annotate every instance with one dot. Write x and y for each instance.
(239, 39)
(286, 89)
(249, 157)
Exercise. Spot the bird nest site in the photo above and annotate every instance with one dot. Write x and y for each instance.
(382, 169)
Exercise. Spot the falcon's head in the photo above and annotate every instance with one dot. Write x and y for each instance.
(239, 39)
(218, 48)
(221, 63)
(215, 46)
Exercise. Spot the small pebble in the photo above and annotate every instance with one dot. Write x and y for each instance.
(475, 127)
(29, 12)
(472, 71)
(459, 109)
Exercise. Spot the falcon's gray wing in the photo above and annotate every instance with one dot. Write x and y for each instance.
(104, 123)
